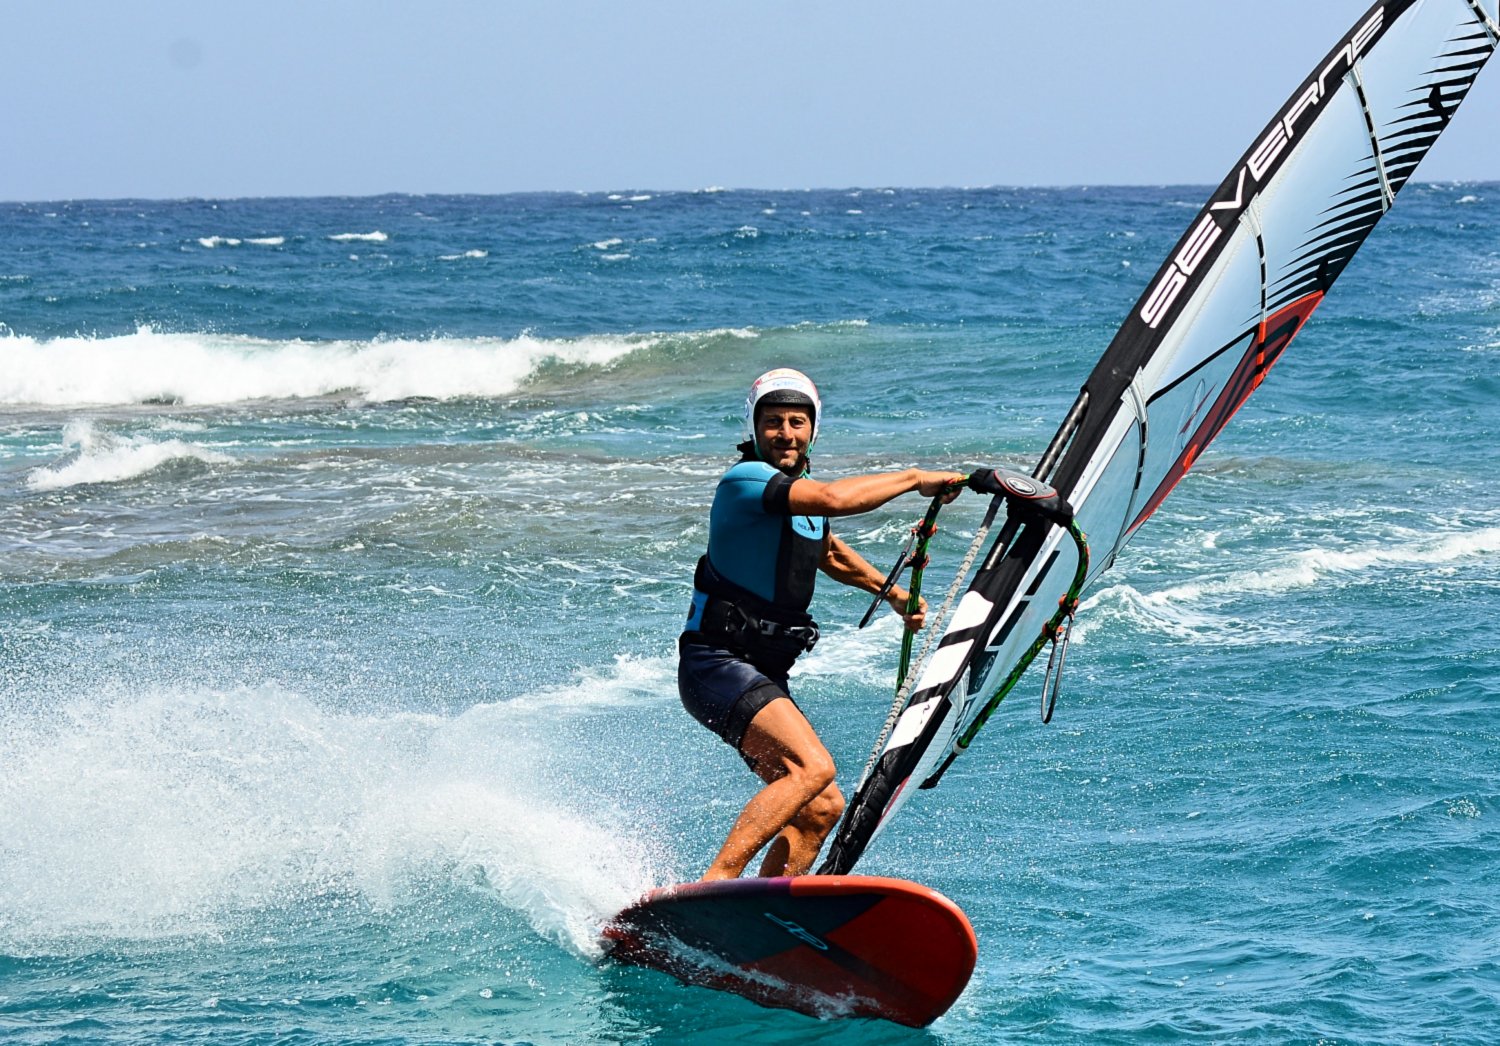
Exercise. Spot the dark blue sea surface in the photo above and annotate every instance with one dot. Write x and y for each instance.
(344, 544)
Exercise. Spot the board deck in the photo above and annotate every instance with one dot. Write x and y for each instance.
(824, 945)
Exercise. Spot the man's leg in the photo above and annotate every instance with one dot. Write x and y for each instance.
(796, 846)
(797, 769)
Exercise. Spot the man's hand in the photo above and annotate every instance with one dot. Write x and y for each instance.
(897, 598)
(931, 484)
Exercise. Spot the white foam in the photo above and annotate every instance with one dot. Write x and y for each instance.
(148, 366)
(180, 811)
(360, 237)
(106, 458)
(267, 241)
(1146, 612)
(1304, 569)
(465, 254)
(1197, 608)
(868, 655)
(218, 241)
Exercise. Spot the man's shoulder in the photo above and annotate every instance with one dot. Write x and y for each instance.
(750, 471)
(753, 486)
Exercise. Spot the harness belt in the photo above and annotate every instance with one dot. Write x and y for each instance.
(737, 626)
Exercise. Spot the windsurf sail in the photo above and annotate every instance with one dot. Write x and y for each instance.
(1238, 287)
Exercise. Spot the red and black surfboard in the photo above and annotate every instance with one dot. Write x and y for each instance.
(828, 946)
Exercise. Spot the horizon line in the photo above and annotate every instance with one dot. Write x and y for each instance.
(700, 191)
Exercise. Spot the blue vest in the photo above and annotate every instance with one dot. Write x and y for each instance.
(760, 557)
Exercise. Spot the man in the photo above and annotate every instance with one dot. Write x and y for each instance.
(768, 537)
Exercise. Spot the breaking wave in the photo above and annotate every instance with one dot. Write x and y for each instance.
(193, 369)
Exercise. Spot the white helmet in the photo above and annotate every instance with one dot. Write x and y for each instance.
(783, 386)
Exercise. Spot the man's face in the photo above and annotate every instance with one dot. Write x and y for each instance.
(783, 434)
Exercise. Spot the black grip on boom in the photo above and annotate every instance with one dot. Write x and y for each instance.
(1022, 493)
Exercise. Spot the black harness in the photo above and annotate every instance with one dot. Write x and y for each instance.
(738, 629)
(748, 625)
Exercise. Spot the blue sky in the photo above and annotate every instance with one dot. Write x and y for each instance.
(162, 98)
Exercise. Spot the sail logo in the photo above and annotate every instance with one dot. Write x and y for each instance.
(1204, 235)
(802, 934)
(1263, 158)
(1192, 411)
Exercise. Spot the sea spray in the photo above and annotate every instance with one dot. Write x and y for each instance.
(172, 812)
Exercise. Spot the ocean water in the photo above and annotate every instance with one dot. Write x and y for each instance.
(344, 542)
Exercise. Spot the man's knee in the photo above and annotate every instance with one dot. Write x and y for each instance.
(817, 774)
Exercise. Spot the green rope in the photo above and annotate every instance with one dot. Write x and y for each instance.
(924, 531)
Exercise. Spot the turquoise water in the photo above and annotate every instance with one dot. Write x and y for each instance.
(343, 545)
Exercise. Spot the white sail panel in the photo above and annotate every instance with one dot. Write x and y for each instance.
(1317, 208)
(1226, 306)
(1110, 487)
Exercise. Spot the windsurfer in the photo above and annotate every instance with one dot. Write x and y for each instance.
(768, 537)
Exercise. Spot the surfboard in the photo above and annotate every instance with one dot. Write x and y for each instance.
(824, 945)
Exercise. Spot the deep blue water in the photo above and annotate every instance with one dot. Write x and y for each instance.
(344, 542)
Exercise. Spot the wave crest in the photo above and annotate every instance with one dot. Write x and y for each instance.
(103, 457)
(197, 369)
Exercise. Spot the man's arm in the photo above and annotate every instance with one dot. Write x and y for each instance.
(848, 567)
(855, 494)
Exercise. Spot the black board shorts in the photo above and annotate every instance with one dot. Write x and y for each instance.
(723, 690)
